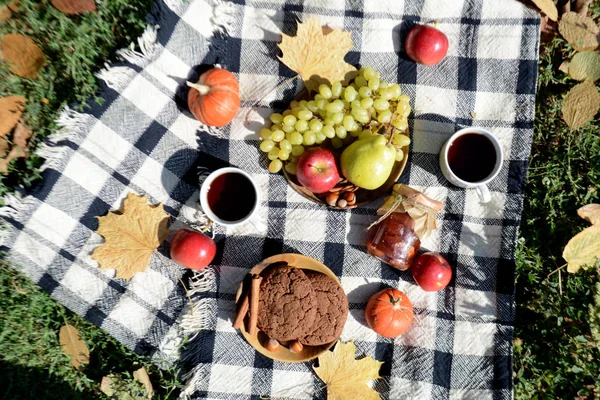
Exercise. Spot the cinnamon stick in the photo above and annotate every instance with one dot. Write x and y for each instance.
(254, 294)
(242, 311)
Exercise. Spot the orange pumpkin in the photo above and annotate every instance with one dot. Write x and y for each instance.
(215, 98)
(389, 312)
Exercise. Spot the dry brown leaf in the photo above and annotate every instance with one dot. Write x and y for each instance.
(581, 7)
(141, 375)
(107, 385)
(346, 378)
(15, 152)
(581, 104)
(583, 249)
(4, 146)
(21, 135)
(25, 58)
(585, 65)
(590, 213)
(548, 29)
(131, 236)
(7, 10)
(11, 109)
(74, 6)
(564, 67)
(74, 346)
(547, 7)
(581, 32)
(316, 56)
(19, 147)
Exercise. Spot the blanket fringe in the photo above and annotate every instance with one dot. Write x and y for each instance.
(199, 314)
(223, 17)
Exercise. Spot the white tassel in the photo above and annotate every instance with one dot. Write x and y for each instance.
(192, 380)
(13, 206)
(115, 78)
(147, 44)
(223, 17)
(199, 314)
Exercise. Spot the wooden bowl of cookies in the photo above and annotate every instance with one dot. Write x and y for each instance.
(293, 291)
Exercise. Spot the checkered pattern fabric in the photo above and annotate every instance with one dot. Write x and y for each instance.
(143, 140)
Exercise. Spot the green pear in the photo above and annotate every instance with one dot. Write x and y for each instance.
(368, 163)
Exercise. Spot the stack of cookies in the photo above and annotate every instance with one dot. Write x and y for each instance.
(296, 307)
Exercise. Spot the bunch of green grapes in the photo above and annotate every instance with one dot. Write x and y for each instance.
(340, 114)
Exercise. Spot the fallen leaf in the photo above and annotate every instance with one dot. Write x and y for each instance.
(547, 7)
(25, 58)
(548, 29)
(581, 32)
(564, 67)
(19, 147)
(7, 10)
(71, 7)
(131, 237)
(107, 385)
(590, 213)
(21, 135)
(11, 109)
(141, 375)
(318, 57)
(581, 104)
(585, 65)
(581, 7)
(583, 249)
(346, 377)
(74, 346)
(4, 146)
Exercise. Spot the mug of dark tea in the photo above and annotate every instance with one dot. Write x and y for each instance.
(230, 197)
(471, 158)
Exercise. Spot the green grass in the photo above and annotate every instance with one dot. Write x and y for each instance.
(555, 356)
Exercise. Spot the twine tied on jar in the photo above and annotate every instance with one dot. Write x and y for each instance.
(422, 209)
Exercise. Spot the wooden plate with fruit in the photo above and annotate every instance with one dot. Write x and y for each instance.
(259, 341)
(348, 124)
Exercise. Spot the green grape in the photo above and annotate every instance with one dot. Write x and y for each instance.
(276, 118)
(386, 94)
(354, 133)
(355, 103)
(312, 106)
(373, 83)
(315, 125)
(365, 92)
(365, 134)
(360, 81)
(323, 114)
(384, 116)
(369, 73)
(400, 140)
(304, 104)
(401, 124)
(383, 85)
(328, 131)
(341, 132)
(289, 120)
(404, 98)
(329, 121)
(325, 91)
(287, 128)
(266, 145)
(285, 145)
(296, 138)
(399, 154)
(305, 115)
(346, 104)
(350, 124)
(396, 90)
(278, 135)
(273, 153)
(301, 125)
(295, 111)
(321, 104)
(337, 142)
(265, 133)
(336, 89)
(381, 104)
(286, 113)
(275, 166)
(283, 155)
(309, 138)
(403, 108)
(361, 115)
(335, 106)
(366, 103)
(350, 94)
(291, 168)
(294, 104)
(337, 118)
(293, 159)
(318, 97)
(297, 150)
(320, 138)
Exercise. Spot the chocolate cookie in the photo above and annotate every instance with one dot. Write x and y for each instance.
(287, 306)
(332, 310)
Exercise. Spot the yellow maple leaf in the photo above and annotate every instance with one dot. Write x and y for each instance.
(316, 56)
(346, 378)
(131, 236)
(583, 249)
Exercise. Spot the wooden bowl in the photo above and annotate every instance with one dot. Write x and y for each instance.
(259, 340)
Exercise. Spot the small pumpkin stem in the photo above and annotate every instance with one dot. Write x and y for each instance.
(393, 300)
(202, 89)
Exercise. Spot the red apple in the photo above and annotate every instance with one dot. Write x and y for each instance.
(316, 170)
(192, 249)
(426, 44)
(431, 271)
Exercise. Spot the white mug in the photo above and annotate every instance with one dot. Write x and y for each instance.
(252, 217)
(480, 186)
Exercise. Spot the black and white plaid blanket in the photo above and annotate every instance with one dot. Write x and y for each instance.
(143, 140)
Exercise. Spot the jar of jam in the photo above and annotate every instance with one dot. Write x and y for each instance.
(394, 240)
